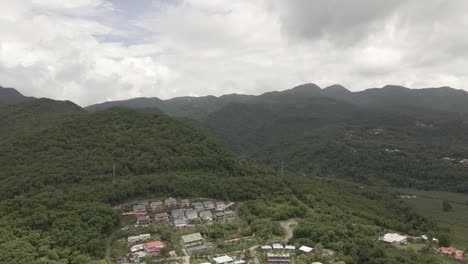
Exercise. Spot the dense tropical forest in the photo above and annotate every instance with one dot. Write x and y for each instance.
(57, 186)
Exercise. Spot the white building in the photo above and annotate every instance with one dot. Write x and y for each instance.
(394, 238)
(223, 260)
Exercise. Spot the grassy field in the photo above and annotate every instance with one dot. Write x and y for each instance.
(429, 203)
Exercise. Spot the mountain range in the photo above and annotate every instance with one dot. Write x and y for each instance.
(58, 183)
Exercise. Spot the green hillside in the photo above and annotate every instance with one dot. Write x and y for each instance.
(32, 116)
(57, 189)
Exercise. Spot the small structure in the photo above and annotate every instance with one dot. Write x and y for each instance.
(133, 239)
(266, 247)
(208, 205)
(277, 246)
(137, 248)
(290, 247)
(185, 203)
(139, 209)
(143, 220)
(230, 214)
(223, 260)
(306, 250)
(220, 217)
(278, 258)
(153, 247)
(426, 238)
(394, 238)
(179, 223)
(191, 214)
(138, 257)
(144, 237)
(161, 217)
(198, 206)
(240, 261)
(220, 206)
(457, 254)
(170, 202)
(177, 213)
(192, 240)
(464, 162)
(206, 216)
(156, 206)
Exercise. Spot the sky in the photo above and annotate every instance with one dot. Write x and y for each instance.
(91, 51)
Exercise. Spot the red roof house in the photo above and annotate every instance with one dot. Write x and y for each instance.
(152, 247)
(458, 254)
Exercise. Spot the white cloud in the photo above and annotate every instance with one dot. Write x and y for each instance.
(89, 51)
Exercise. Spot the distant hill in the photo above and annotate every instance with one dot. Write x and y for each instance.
(12, 96)
(389, 98)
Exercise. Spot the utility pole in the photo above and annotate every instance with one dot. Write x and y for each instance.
(113, 173)
(282, 168)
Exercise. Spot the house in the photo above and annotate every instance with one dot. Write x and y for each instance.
(306, 250)
(138, 257)
(223, 260)
(206, 215)
(185, 203)
(220, 206)
(394, 238)
(139, 209)
(180, 223)
(289, 247)
(198, 206)
(220, 217)
(191, 214)
(137, 248)
(208, 205)
(277, 246)
(266, 247)
(229, 214)
(457, 254)
(161, 217)
(170, 202)
(143, 220)
(177, 213)
(153, 247)
(144, 237)
(278, 258)
(192, 240)
(156, 206)
(133, 239)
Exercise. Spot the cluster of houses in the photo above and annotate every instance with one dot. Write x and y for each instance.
(140, 251)
(180, 214)
(277, 253)
(451, 251)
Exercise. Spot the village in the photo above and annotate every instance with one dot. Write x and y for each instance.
(181, 219)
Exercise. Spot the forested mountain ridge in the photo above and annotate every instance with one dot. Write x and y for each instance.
(32, 116)
(56, 185)
(390, 97)
(12, 96)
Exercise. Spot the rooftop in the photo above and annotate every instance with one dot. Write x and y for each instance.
(191, 238)
(223, 259)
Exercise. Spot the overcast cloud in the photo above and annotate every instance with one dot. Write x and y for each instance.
(90, 51)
